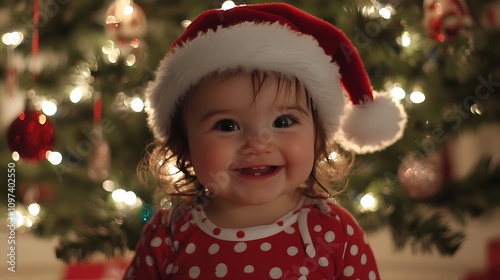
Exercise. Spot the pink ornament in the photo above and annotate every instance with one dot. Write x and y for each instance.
(125, 22)
(421, 178)
(446, 19)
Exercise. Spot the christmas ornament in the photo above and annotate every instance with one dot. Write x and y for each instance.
(446, 19)
(422, 177)
(125, 22)
(31, 135)
(99, 160)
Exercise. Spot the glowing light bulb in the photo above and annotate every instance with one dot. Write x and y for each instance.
(405, 39)
(368, 202)
(119, 195)
(136, 104)
(34, 209)
(49, 107)
(398, 93)
(417, 97)
(108, 185)
(54, 157)
(228, 5)
(385, 13)
(76, 95)
(12, 38)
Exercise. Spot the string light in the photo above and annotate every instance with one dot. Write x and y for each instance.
(397, 92)
(185, 23)
(15, 156)
(137, 105)
(34, 209)
(417, 97)
(405, 39)
(76, 95)
(54, 157)
(12, 38)
(108, 185)
(228, 5)
(368, 202)
(386, 12)
(49, 107)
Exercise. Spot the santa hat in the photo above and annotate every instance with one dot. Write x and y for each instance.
(281, 38)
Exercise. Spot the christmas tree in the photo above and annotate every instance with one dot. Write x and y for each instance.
(72, 74)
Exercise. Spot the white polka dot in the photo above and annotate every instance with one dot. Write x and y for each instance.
(149, 261)
(213, 249)
(248, 269)
(168, 241)
(190, 248)
(240, 247)
(350, 230)
(292, 251)
(348, 271)
(363, 259)
(302, 278)
(372, 275)
(184, 227)
(329, 236)
(323, 262)
(354, 250)
(176, 244)
(170, 267)
(365, 239)
(290, 230)
(266, 246)
(176, 268)
(317, 228)
(194, 272)
(155, 242)
(221, 270)
(310, 250)
(275, 273)
(303, 270)
(337, 218)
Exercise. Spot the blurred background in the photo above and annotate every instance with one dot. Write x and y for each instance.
(73, 129)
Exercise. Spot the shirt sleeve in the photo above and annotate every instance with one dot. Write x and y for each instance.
(357, 260)
(151, 251)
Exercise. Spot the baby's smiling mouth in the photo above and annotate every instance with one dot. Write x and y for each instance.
(257, 170)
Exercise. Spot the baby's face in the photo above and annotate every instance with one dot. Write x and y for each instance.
(247, 148)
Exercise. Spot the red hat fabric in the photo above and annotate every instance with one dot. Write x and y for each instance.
(281, 38)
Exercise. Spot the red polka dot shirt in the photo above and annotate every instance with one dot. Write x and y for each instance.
(317, 240)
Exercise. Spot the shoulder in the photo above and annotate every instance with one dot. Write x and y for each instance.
(334, 217)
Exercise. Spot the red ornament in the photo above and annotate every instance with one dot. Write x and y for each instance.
(446, 19)
(31, 135)
(125, 22)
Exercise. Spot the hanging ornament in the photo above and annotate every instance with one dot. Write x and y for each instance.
(31, 135)
(99, 160)
(422, 177)
(490, 17)
(446, 19)
(125, 23)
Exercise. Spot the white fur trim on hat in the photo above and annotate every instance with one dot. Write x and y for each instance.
(251, 46)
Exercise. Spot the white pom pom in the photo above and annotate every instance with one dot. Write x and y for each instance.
(373, 126)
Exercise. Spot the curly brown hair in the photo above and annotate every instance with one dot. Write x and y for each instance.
(162, 157)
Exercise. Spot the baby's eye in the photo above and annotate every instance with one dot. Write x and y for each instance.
(226, 125)
(284, 121)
